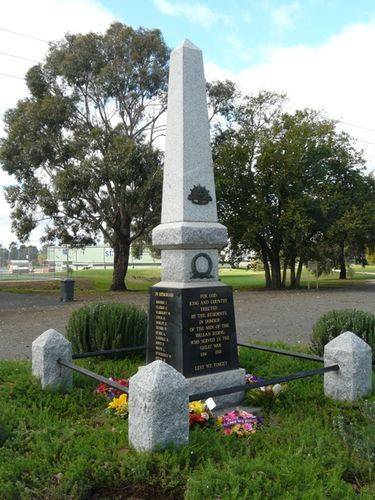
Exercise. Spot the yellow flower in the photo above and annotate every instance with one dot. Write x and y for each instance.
(197, 407)
(119, 403)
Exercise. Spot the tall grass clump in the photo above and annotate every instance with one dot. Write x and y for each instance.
(333, 323)
(97, 327)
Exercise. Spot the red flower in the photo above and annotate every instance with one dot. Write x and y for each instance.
(102, 388)
(110, 391)
(122, 381)
(196, 418)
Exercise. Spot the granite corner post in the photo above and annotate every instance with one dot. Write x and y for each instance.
(354, 378)
(47, 349)
(158, 408)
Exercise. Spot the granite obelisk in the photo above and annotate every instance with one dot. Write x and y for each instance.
(191, 316)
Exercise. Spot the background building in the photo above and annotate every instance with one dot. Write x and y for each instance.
(91, 257)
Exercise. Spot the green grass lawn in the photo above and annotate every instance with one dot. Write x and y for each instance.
(66, 446)
(140, 279)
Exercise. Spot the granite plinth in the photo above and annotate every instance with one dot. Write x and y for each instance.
(190, 235)
(222, 380)
(182, 265)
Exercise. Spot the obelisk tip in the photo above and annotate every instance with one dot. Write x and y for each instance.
(187, 44)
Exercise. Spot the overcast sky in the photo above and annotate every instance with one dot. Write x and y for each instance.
(320, 52)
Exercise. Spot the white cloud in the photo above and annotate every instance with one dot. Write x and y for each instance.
(336, 77)
(233, 41)
(196, 12)
(285, 15)
(46, 20)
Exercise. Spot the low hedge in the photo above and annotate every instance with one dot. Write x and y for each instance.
(96, 327)
(335, 322)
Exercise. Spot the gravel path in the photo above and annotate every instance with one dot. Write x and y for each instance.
(287, 316)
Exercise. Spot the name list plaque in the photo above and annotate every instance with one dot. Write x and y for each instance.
(193, 329)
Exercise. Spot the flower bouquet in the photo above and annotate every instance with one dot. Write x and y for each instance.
(267, 392)
(239, 423)
(118, 401)
(199, 414)
(110, 392)
(119, 406)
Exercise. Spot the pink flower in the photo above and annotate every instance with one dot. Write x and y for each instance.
(239, 423)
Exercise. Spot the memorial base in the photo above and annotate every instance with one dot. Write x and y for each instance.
(193, 329)
(221, 380)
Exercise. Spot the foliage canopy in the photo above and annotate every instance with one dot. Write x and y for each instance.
(289, 184)
(82, 145)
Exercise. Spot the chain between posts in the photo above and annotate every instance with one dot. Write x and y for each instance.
(213, 393)
(309, 357)
(109, 351)
(95, 376)
(205, 395)
(264, 383)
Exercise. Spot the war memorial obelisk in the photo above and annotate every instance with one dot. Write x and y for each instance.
(191, 316)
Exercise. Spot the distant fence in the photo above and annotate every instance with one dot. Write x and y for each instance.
(211, 393)
(57, 270)
(36, 274)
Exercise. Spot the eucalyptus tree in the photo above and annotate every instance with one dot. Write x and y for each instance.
(82, 144)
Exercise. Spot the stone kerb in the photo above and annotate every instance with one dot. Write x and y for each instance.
(47, 349)
(158, 407)
(354, 378)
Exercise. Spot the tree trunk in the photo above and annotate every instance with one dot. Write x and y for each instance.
(342, 263)
(120, 266)
(276, 271)
(293, 272)
(267, 272)
(299, 273)
(285, 269)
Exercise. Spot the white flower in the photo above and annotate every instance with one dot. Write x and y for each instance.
(276, 389)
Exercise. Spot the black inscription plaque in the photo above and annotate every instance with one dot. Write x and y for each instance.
(193, 329)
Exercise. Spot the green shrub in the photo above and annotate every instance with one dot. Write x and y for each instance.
(371, 258)
(98, 327)
(333, 323)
